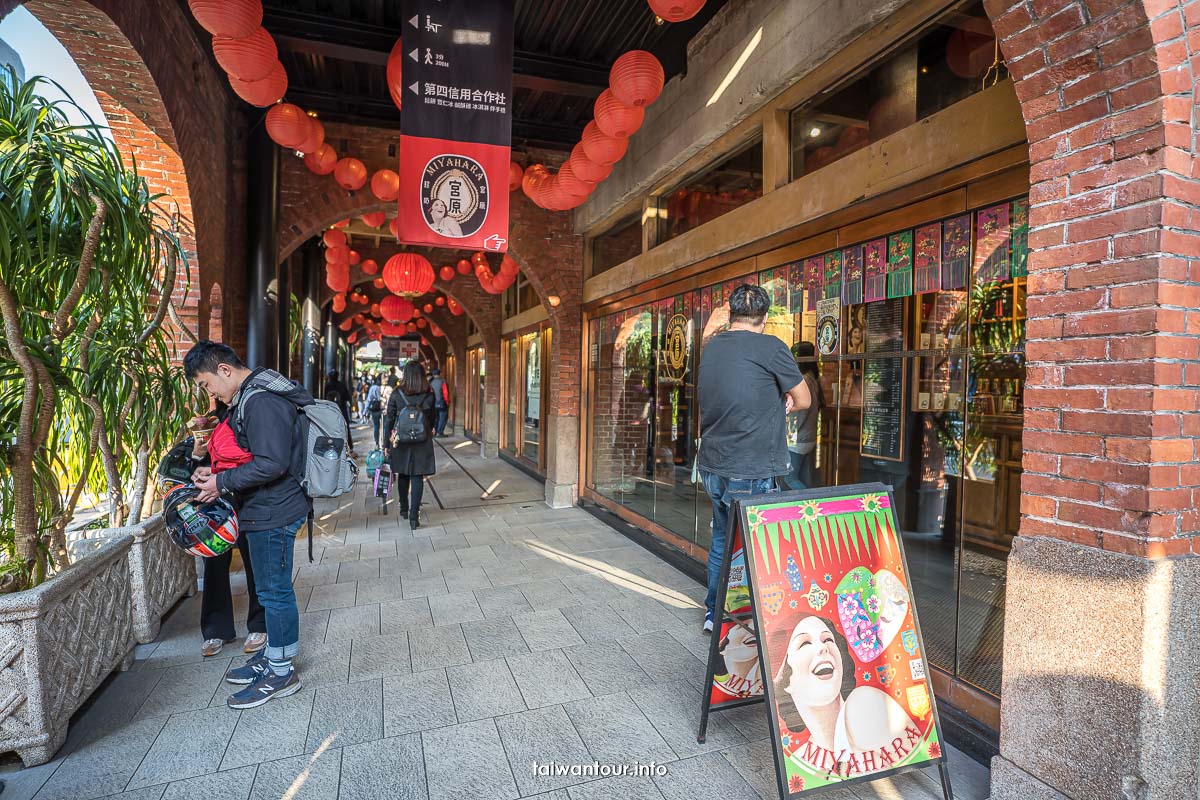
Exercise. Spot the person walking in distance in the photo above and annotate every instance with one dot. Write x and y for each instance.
(374, 403)
(408, 439)
(441, 401)
(748, 383)
(336, 392)
(271, 503)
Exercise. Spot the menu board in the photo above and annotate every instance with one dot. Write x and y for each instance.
(884, 390)
(735, 675)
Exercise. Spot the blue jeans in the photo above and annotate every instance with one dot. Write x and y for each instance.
(271, 554)
(719, 489)
(375, 422)
(443, 414)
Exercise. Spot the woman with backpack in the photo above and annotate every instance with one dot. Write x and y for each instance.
(408, 440)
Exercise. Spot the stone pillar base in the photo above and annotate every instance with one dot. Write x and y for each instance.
(491, 430)
(1100, 695)
(561, 495)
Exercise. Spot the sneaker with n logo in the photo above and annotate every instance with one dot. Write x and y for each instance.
(265, 689)
(255, 667)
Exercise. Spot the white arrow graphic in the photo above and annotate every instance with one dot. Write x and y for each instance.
(415, 21)
(415, 54)
(414, 86)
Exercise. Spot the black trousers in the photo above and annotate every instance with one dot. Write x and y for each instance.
(216, 604)
(410, 489)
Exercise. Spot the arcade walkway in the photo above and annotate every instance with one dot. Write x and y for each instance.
(441, 665)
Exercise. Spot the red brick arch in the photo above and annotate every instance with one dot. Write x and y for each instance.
(169, 111)
(1107, 89)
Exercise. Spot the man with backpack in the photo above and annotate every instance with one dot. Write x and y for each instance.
(441, 401)
(294, 450)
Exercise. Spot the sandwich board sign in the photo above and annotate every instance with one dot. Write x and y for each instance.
(840, 658)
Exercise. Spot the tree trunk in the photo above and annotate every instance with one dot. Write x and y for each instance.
(141, 477)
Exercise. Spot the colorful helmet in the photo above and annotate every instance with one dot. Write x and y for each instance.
(202, 529)
(176, 467)
(374, 462)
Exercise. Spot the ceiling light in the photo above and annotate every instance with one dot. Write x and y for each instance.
(555, 300)
(814, 132)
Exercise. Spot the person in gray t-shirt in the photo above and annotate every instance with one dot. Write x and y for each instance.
(748, 383)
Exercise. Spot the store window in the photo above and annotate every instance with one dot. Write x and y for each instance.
(916, 339)
(519, 297)
(525, 359)
(950, 61)
(617, 245)
(729, 184)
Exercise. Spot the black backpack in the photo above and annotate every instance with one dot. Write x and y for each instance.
(410, 425)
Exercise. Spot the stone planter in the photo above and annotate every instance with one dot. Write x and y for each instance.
(58, 642)
(160, 572)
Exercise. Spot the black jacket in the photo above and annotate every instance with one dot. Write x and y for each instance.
(270, 493)
(410, 459)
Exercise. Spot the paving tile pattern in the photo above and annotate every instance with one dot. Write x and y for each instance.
(439, 664)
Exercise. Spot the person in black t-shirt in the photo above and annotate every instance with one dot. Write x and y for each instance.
(747, 385)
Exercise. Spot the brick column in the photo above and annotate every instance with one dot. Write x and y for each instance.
(1100, 653)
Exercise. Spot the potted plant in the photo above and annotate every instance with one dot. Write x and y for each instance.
(87, 392)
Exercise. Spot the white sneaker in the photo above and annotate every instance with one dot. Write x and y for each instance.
(708, 622)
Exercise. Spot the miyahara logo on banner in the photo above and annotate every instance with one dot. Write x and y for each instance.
(457, 124)
(454, 196)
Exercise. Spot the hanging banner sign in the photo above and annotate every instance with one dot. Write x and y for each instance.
(456, 124)
(841, 657)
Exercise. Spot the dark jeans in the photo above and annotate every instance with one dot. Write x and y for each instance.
(271, 551)
(719, 489)
(376, 416)
(443, 414)
(216, 604)
(410, 483)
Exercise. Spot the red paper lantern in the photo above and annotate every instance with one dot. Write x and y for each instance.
(435, 330)
(375, 218)
(535, 181)
(385, 185)
(446, 273)
(395, 76)
(478, 258)
(322, 161)
(316, 136)
(408, 274)
(337, 279)
(636, 78)
(676, 10)
(411, 328)
(463, 266)
(250, 57)
(359, 319)
(572, 184)
(370, 266)
(350, 174)
(396, 309)
(601, 148)
(375, 312)
(585, 169)
(378, 283)
(352, 338)
(515, 173)
(341, 223)
(416, 312)
(393, 226)
(346, 324)
(439, 301)
(355, 258)
(339, 303)
(265, 92)
(427, 308)
(615, 118)
(455, 308)
(334, 238)
(421, 323)
(233, 19)
(338, 255)
(288, 125)
(391, 329)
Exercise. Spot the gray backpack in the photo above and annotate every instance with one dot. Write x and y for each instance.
(328, 468)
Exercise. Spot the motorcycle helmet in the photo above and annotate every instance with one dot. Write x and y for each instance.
(202, 529)
(176, 467)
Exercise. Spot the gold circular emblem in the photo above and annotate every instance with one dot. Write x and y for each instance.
(675, 345)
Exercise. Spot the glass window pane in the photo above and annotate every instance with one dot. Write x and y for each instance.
(725, 186)
(618, 245)
(532, 432)
(675, 418)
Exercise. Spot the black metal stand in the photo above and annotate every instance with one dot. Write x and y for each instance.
(944, 772)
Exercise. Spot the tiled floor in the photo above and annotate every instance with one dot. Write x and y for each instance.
(441, 664)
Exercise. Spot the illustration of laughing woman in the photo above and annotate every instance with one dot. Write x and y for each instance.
(852, 730)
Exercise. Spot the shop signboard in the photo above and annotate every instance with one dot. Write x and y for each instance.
(833, 274)
(875, 270)
(840, 652)
(852, 283)
(456, 128)
(829, 317)
(814, 279)
(735, 677)
(1020, 237)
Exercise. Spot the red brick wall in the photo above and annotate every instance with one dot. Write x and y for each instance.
(171, 111)
(1112, 420)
